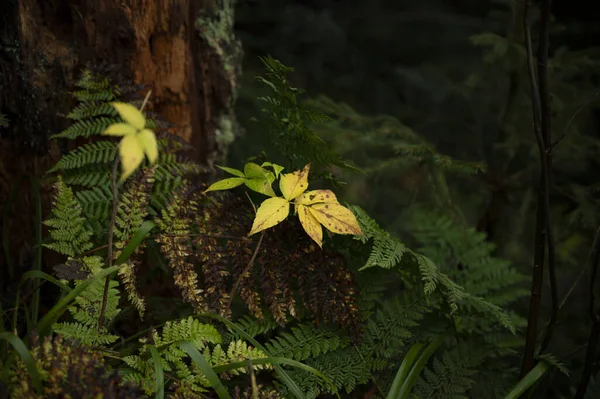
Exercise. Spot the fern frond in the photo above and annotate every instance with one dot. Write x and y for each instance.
(86, 128)
(100, 152)
(255, 327)
(91, 109)
(288, 119)
(172, 357)
(450, 375)
(96, 203)
(68, 231)
(236, 351)
(175, 223)
(86, 334)
(305, 342)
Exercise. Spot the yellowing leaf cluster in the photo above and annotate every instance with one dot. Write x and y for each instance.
(315, 209)
(137, 140)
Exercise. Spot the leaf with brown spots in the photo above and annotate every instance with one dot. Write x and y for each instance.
(317, 196)
(271, 212)
(310, 224)
(294, 184)
(336, 218)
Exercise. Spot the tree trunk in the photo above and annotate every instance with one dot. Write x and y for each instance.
(183, 50)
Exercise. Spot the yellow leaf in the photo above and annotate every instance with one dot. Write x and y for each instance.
(119, 129)
(317, 196)
(130, 114)
(131, 155)
(310, 224)
(336, 218)
(147, 141)
(295, 183)
(271, 212)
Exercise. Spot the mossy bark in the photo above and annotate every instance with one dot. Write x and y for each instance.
(172, 47)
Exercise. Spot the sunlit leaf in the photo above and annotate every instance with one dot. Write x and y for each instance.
(317, 196)
(130, 114)
(131, 155)
(147, 141)
(226, 184)
(260, 185)
(310, 224)
(336, 218)
(276, 168)
(271, 212)
(252, 170)
(295, 183)
(232, 171)
(270, 176)
(120, 129)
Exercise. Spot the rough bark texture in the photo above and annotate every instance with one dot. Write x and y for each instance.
(184, 50)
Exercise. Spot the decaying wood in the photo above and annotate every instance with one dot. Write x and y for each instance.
(169, 46)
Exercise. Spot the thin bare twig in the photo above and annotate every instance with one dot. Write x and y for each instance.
(592, 345)
(540, 96)
(581, 274)
(564, 134)
(246, 270)
(546, 161)
(111, 228)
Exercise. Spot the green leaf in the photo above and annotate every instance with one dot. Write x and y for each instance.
(260, 185)
(276, 168)
(252, 170)
(226, 184)
(233, 171)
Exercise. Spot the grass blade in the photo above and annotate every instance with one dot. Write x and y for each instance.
(29, 275)
(206, 368)
(419, 365)
(405, 366)
(37, 228)
(158, 372)
(14, 190)
(135, 241)
(22, 350)
(273, 360)
(529, 380)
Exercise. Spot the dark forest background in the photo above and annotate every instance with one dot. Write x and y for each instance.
(428, 100)
(452, 72)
